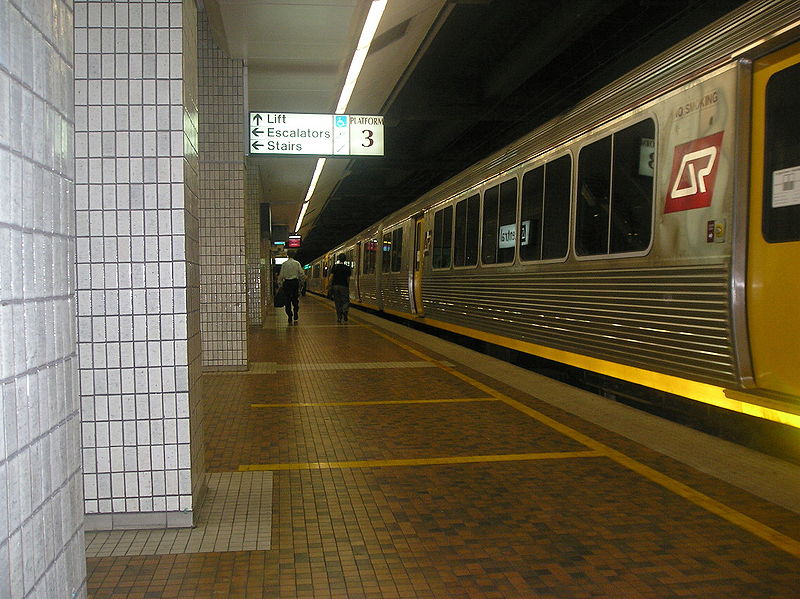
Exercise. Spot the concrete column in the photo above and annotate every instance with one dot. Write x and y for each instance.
(41, 512)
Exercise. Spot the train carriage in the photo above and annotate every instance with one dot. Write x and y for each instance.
(651, 234)
(583, 248)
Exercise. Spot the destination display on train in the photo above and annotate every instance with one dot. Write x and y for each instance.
(315, 134)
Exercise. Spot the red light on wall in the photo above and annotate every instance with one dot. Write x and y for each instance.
(293, 241)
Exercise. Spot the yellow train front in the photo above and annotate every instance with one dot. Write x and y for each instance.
(651, 234)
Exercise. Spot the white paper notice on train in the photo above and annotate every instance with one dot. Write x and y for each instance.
(786, 187)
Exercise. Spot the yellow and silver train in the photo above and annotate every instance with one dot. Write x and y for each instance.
(650, 234)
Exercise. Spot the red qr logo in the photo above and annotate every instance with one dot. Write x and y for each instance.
(694, 172)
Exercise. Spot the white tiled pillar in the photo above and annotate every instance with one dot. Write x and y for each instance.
(137, 261)
(41, 514)
(222, 180)
(191, 190)
(252, 223)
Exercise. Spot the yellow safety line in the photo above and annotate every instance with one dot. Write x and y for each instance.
(759, 529)
(737, 400)
(370, 403)
(470, 459)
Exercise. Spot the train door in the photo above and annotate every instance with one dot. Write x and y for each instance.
(416, 271)
(351, 259)
(382, 260)
(773, 267)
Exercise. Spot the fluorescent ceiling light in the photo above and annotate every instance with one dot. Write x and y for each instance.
(299, 222)
(311, 188)
(360, 55)
(376, 10)
(314, 179)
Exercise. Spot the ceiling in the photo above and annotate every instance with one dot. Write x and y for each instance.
(455, 80)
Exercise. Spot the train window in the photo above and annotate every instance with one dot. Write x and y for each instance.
(507, 238)
(532, 215)
(632, 189)
(315, 272)
(544, 222)
(489, 239)
(781, 209)
(370, 250)
(442, 237)
(594, 182)
(397, 250)
(465, 247)
(615, 194)
(386, 261)
(498, 242)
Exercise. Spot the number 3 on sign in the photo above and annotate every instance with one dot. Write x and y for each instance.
(366, 141)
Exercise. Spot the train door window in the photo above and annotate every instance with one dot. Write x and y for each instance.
(498, 242)
(615, 192)
(386, 261)
(315, 271)
(467, 228)
(442, 237)
(544, 221)
(397, 250)
(351, 258)
(781, 208)
(370, 250)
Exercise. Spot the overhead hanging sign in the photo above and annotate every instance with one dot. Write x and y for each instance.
(315, 134)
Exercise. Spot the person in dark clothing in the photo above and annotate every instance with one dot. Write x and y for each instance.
(340, 286)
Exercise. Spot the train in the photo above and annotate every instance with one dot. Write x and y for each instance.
(650, 234)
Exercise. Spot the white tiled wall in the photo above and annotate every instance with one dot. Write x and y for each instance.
(137, 260)
(222, 180)
(41, 516)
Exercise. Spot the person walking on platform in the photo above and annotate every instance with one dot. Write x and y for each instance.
(340, 286)
(290, 277)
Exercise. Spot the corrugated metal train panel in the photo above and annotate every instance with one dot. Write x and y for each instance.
(368, 288)
(394, 289)
(673, 320)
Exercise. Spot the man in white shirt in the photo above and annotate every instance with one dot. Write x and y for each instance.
(290, 276)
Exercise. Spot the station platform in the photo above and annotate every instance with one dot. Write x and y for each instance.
(369, 460)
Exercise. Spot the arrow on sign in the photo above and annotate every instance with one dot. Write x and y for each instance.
(257, 131)
(256, 145)
(257, 119)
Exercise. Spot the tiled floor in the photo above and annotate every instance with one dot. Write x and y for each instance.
(235, 516)
(400, 470)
